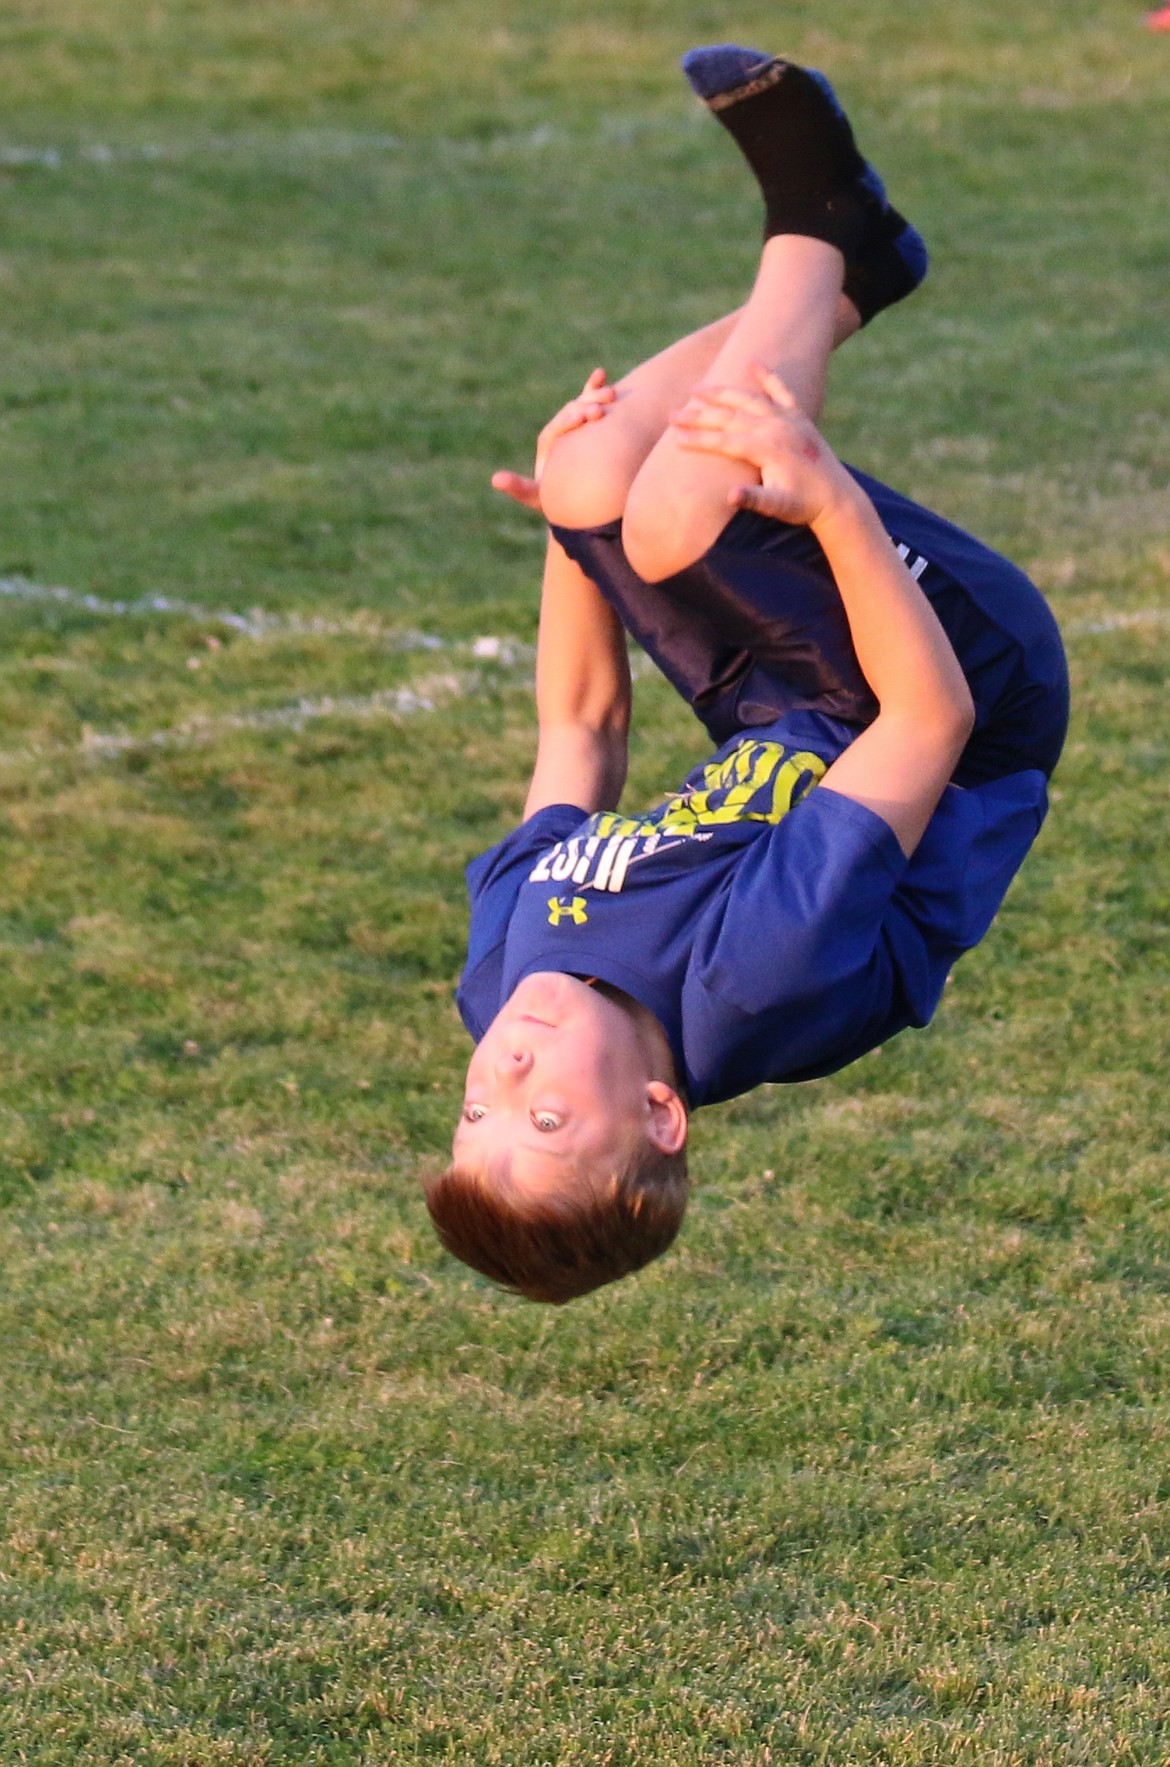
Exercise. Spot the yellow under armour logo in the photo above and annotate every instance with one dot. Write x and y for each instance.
(575, 909)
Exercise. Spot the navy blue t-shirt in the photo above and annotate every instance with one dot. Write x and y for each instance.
(775, 928)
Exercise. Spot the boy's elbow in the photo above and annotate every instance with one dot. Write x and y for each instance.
(941, 729)
(604, 717)
(604, 735)
(964, 715)
(953, 725)
(611, 747)
(616, 724)
(951, 718)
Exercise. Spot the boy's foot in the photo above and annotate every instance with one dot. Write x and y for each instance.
(792, 131)
(896, 260)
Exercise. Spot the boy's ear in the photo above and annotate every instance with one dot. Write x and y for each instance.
(667, 1129)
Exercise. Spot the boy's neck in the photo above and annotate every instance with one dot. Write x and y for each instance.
(651, 1034)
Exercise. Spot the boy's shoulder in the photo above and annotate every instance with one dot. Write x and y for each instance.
(508, 856)
(494, 878)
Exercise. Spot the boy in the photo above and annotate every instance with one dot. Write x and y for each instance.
(889, 698)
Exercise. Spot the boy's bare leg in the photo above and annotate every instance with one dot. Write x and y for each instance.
(589, 471)
(677, 506)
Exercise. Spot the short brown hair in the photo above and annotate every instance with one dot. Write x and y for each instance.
(557, 1249)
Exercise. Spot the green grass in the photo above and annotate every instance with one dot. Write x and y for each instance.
(872, 1468)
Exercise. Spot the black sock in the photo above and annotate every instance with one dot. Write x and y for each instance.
(799, 144)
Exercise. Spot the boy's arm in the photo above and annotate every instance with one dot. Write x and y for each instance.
(583, 693)
(900, 764)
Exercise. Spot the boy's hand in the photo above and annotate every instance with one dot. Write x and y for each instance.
(802, 477)
(591, 403)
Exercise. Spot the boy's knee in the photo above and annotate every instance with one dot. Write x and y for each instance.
(587, 476)
(661, 536)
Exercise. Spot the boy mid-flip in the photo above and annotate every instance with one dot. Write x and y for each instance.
(889, 698)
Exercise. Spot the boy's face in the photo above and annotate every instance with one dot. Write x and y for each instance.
(560, 1082)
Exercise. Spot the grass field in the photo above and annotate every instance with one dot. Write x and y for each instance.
(875, 1466)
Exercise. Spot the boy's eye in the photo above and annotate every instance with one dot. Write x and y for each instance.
(474, 1113)
(546, 1121)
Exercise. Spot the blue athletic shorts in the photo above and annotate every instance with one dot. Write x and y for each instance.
(756, 628)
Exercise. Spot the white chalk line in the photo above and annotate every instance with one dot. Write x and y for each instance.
(259, 623)
(387, 702)
(306, 145)
(1119, 622)
(428, 694)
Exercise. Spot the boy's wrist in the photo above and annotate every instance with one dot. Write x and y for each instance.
(843, 505)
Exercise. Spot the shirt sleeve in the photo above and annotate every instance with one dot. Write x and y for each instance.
(493, 884)
(975, 843)
(804, 905)
(831, 941)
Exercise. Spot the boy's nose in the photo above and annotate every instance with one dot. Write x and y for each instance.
(514, 1063)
